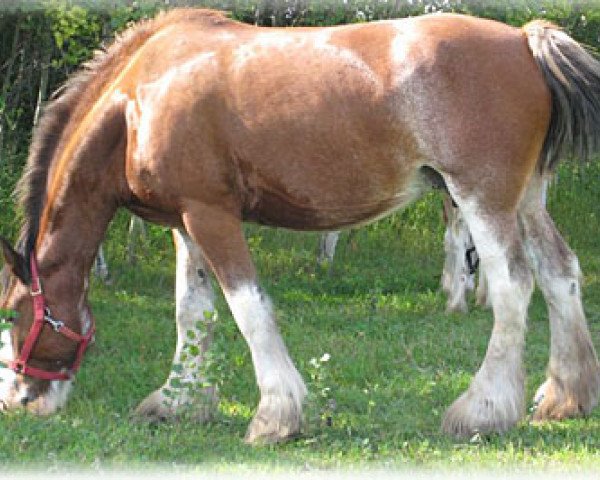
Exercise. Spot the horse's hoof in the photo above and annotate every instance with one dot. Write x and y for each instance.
(262, 432)
(277, 420)
(153, 409)
(158, 408)
(457, 307)
(483, 302)
(553, 401)
(471, 414)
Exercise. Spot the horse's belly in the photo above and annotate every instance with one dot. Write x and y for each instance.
(275, 211)
(327, 209)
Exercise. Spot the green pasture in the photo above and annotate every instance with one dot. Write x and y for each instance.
(396, 360)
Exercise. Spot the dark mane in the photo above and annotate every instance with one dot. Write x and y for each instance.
(70, 104)
(31, 189)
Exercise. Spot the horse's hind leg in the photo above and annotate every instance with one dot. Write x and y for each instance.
(185, 392)
(495, 400)
(573, 383)
(282, 390)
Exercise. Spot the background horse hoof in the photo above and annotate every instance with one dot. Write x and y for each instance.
(276, 421)
(471, 414)
(157, 407)
(482, 300)
(554, 402)
(457, 307)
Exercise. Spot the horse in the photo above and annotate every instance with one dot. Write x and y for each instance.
(198, 122)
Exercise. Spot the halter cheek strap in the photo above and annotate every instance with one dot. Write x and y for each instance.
(42, 315)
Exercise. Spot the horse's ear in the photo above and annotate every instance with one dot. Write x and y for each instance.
(15, 261)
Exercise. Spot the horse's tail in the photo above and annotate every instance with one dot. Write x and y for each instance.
(573, 76)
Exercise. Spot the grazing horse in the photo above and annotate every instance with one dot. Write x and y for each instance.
(200, 123)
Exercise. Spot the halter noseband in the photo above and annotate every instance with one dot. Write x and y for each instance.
(42, 315)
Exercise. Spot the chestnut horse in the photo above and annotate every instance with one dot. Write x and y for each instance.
(200, 123)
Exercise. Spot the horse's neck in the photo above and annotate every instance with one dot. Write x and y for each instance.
(71, 235)
(84, 184)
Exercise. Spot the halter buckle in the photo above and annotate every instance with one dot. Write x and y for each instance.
(55, 324)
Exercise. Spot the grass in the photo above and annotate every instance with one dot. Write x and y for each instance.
(397, 361)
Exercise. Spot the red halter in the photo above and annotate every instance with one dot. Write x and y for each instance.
(41, 315)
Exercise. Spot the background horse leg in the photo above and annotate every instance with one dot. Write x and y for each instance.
(495, 400)
(573, 384)
(327, 243)
(137, 228)
(100, 266)
(282, 390)
(137, 231)
(457, 278)
(184, 391)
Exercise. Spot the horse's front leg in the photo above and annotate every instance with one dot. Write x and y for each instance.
(282, 391)
(185, 392)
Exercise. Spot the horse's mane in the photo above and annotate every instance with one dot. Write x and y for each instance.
(69, 105)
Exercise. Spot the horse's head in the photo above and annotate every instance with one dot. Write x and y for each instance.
(39, 351)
